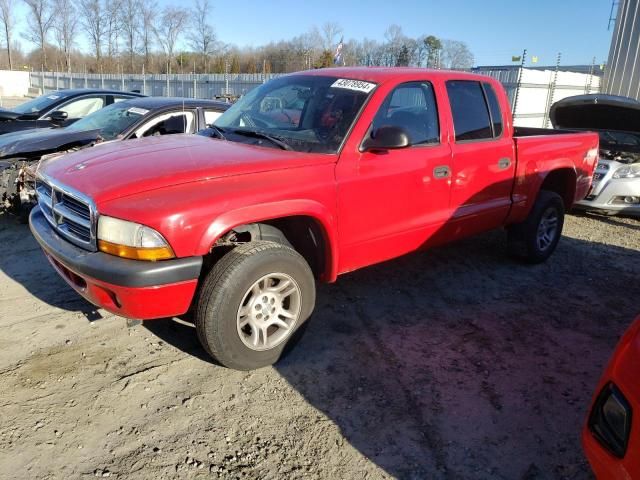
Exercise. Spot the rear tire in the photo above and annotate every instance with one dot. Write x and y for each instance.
(535, 239)
(253, 303)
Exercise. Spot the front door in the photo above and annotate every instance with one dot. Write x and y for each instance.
(391, 201)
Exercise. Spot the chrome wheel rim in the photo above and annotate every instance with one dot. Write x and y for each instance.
(269, 311)
(547, 228)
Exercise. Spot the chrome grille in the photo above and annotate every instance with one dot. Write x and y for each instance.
(71, 213)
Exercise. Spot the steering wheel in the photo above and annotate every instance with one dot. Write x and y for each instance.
(251, 120)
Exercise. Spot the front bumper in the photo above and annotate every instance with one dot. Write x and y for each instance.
(130, 288)
(608, 193)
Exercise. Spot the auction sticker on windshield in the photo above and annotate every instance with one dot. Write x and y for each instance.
(138, 111)
(357, 85)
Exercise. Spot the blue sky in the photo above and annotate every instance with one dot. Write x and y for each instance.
(494, 29)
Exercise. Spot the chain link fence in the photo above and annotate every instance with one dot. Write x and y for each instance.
(178, 85)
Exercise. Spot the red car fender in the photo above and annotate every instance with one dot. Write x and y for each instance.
(267, 211)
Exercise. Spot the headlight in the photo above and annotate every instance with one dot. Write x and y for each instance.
(628, 171)
(131, 240)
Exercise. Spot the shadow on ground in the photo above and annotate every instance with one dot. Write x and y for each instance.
(27, 266)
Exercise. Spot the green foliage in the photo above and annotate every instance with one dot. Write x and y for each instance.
(325, 60)
(403, 57)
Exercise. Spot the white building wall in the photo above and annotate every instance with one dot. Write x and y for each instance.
(14, 83)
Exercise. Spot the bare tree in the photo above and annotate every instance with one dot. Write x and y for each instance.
(39, 24)
(330, 33)
(147, 20)
(130, 21)
(456, 55)
(65, 27)
(93, 23)
(168, 29)
(112, 26)
(7, 21)
(202, 37)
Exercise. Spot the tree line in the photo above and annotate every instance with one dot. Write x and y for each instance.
(132, 36)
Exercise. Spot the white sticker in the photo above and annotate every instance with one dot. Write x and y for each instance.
(357, 85)
(138, 111)
(53, 97)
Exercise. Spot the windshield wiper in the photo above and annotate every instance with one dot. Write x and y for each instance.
(266, 136)
(218, 131)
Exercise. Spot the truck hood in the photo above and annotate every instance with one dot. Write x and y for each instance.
(42, 140)
(119, 169)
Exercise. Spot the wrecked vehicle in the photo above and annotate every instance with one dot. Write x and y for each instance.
(616, 181)
(307, 177)
(59, 109)
(21, 152)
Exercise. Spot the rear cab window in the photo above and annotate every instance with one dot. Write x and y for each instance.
(475, 110)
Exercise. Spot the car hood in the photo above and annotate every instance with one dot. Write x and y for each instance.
(120, 169)
(6, 115)
(596, 112)
(43, 140)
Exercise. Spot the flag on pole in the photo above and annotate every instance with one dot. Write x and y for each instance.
(337, 58)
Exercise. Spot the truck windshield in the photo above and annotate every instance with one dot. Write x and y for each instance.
(307, 113)
(111, 121)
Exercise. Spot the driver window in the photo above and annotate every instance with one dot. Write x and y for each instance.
(412, 107)
(168, 124)
(82, 107)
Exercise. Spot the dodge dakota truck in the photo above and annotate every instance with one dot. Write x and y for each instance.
(306, 177)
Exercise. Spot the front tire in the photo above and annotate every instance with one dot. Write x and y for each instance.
(535, 239)
(252, 303)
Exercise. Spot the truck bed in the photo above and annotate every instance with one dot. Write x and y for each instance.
(539, 150)
(519, 132)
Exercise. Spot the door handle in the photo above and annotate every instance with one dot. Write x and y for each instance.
(504, 163)
(442, 171)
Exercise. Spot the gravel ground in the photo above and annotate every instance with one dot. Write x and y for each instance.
(455, 363)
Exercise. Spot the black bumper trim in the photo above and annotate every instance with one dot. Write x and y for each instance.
(108, 268)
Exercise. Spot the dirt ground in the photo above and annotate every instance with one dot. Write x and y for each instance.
(455, 363)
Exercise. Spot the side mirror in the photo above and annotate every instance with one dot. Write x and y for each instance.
(59, 116)
(386, 137)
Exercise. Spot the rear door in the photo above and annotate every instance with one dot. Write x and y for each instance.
(483, 158)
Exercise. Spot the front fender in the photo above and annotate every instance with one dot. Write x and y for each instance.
(274, 210)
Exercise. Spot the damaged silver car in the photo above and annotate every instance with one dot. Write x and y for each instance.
(616, 181)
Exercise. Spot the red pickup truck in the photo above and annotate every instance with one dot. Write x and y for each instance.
(307, 177)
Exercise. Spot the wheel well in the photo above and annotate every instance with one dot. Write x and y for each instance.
(562, 182)
(304, 234)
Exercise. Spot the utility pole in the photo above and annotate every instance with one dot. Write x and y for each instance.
(552, 91)
(515, 97)
(587, 90)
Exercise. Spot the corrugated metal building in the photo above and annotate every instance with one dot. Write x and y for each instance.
(622, 76)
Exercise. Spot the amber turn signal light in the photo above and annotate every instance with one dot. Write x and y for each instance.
(136, 253)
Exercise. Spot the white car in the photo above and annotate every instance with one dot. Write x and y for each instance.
(616, 181)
